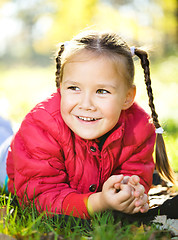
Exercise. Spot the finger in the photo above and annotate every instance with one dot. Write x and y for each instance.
(114, 179)
(141, 201)
(139, 190)
(144, 208)
(127, 206)
(126, 179)
(134, 180)
(135, 210)
(117, 186)
(125, 195)
(130, 208)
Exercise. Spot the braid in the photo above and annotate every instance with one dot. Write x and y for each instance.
(58, 65)
(162, 162)
(145, 65)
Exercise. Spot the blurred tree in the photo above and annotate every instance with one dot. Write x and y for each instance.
(169, 22)
(18, 23)
(162, 17)
(41, 25)
(69, 18)
(38, 25)
(3, 1)
(34, 16)
(118, 2)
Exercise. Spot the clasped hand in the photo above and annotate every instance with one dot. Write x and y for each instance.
(124, 194)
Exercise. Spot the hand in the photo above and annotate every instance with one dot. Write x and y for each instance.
(122, 200)
(110, 198)
(119, 193)
(138, 192)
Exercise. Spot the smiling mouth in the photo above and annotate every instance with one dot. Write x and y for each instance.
(88, 119)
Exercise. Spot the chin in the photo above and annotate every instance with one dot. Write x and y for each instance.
(87, 136)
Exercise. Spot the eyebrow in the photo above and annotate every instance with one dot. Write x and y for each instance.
(70, 82)
(106, 86)
(100, 85)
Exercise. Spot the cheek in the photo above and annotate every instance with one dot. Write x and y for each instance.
(112, 109)
(65, 110)
(113, 115)
(67, 103)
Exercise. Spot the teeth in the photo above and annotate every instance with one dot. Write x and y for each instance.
(87, 119)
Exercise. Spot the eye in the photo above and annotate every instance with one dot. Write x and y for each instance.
(102, 91)
(74, 88)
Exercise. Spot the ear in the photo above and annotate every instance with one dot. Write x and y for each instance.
(130, 96)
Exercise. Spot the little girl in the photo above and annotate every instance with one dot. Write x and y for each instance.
(88, 147)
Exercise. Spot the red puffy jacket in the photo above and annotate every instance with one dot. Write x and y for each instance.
(58, 169)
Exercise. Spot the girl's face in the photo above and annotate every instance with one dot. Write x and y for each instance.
(93, 93)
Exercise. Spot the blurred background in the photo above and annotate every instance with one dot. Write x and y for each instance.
(31, 29)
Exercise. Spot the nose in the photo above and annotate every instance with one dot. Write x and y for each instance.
(87, 102)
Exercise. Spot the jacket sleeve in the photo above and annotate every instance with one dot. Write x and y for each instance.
(136, 155)
(38, 164)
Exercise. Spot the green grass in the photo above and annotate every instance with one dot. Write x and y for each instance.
(171, 141)
(24, 222)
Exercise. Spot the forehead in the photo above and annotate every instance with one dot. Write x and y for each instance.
(87, 60)
(83, 56)
(87, 54)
